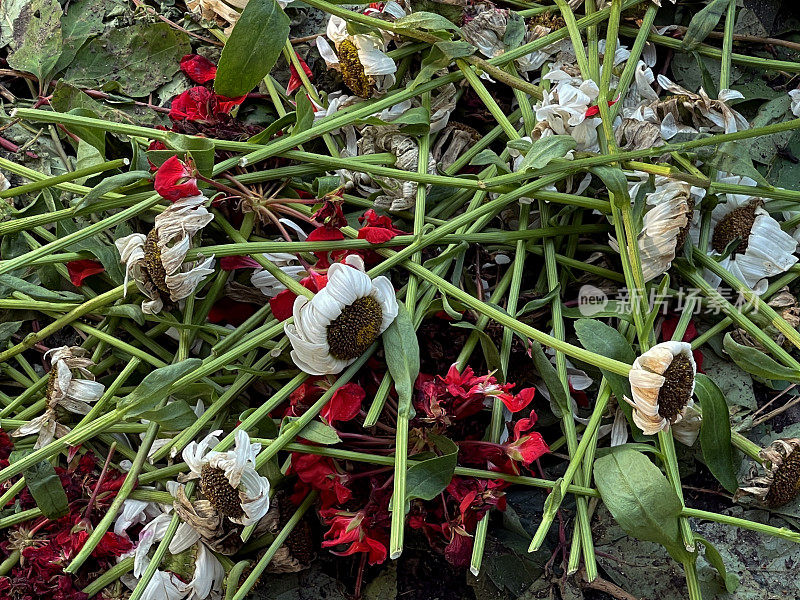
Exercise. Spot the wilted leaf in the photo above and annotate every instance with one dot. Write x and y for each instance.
(37, 38)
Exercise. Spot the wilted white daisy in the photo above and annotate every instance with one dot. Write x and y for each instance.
(195, 573)
(229, 480)
(795, 106)
(361, 58)
(343, 319)
(267, 283)
(704, 113)
(563, 108)
(662, 384)
(156, 260)
(454, 140)
(764, 249)
(70, 386)
(781, 482)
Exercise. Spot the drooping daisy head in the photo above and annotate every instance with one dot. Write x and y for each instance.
(662, 384)
(70, 386)
(156, 260)
(781, 482)
(666, 223)
(564, 108)
(229, 480)
(763, 249)
(361, 59)
(343, 319)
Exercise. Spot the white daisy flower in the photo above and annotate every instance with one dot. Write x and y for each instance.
(343, 319)
(361, 58)
(795, 96)
(563, 108)
(229, 480)
(707, 114)
(156, 260)
(662, 384)
(764, 249)
(201, 574)
(66, 390)
(267, 283)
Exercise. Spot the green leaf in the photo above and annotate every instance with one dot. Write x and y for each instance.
(546, 149)
(305, 114)
(559, 401)
(515, 31)
(252, 49)
(82, 20)
(704, 23)
(35, 291)
(616, 182)
(155, 386)
(112, 183)
(715, 432)
(640, 498)
(315, 431)
(489, 157)
(429, 478)
(129, 311)
(8, 329)
(105, 252)
(37, 38)
(173, 416)
(200, 150)
(274, 127)
(45, 487)
(134, 60)
(540, 302)
(459, 49)
(757, 363)
(425, 20)
(401, 347)
(714, 558)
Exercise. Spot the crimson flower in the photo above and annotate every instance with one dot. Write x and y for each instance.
(282, 304)
(330, 214)
(353, 528)
(322, 474)
(326, 257)
(377, 229)
(526, 448)
(231, 263)
(231, 312)
(294, 78)
(201, 105)
(81, 269)
(175, 180)
(344, 405)
(198, 68)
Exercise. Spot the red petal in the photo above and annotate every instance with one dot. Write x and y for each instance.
(324, 234)
(345, 403)
(282, 304)
(229, 263)
(81, 269)
(173, 180)
(226, 105)
(294, 80)
(195, 104)
(198, 68)
(375, 235)
(520, 401)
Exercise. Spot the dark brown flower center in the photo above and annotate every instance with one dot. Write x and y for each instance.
(736, 224)
(353, 331)
(152, 262)
(548, 19)
(785, 482)
(353, 71)
(677, 389)
(219, 492)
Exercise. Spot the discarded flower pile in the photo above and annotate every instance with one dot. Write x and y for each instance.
(399, 294)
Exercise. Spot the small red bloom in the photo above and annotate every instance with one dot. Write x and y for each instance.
(283, 303)
(294, 79)
(378, 228)
(202, 105)
(174, 180)
(81, 269)
(230, 312)
(326, 257)
(331, 214)
(526, 448)
(322, 474)
(353, 528)
(230, 263)
(198, 68)
(345, 403)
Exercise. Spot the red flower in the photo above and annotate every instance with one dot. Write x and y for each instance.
(322, 474)
(283, 303)
(526, 448)
(111, 546)
(202, 105)
(353, 528)
(294, 79)
(345, 403)
(174, 180)
(326, 257)
(230, 263)
(231, 312)
(81, 269)
(330, 214)
(378, 229)
(198, 68)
